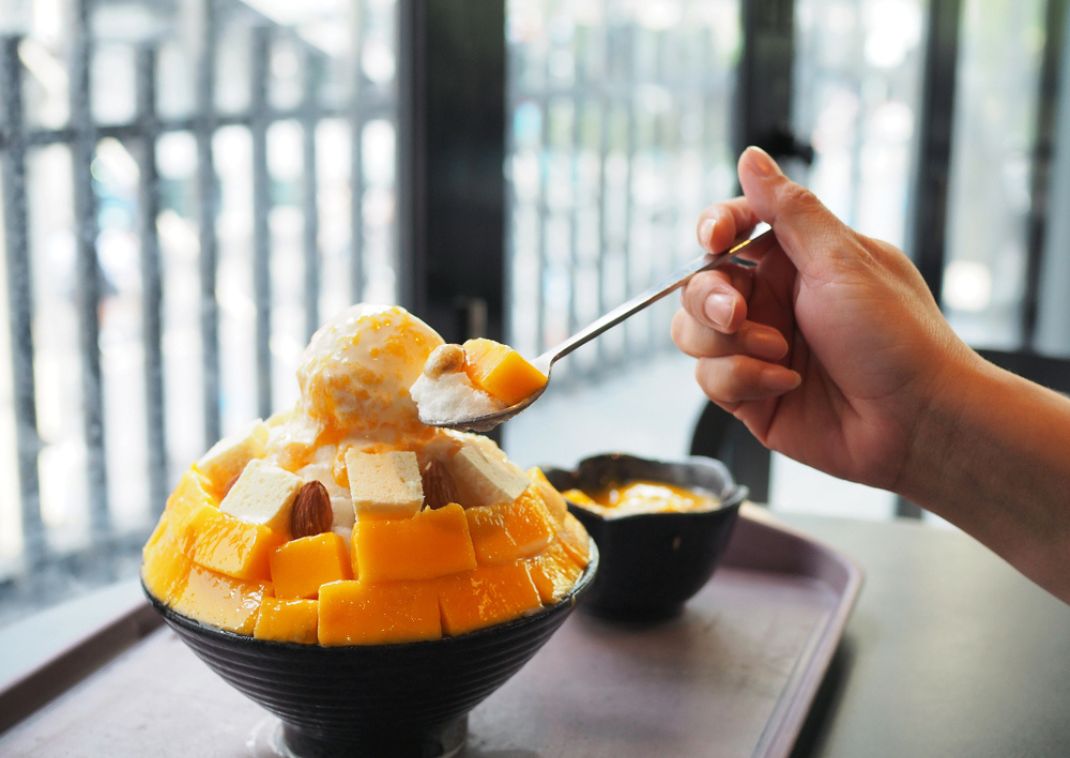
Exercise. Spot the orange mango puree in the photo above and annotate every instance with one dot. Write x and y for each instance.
(642, 496)
(500, 371)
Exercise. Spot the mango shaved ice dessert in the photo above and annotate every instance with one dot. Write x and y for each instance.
(348, 521)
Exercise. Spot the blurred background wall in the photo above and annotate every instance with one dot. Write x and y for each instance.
(190, 186)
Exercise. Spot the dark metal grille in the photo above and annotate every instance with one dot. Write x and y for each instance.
(297, 265)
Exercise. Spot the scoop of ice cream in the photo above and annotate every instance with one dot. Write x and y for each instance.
(356, 372)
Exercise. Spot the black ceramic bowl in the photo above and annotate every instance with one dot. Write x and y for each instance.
(409, 699)
(653, 563)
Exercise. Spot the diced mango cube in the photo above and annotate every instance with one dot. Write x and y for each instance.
(528, 523)
(500, 371)
(359, 613)
(554, 573)
(164, 570)
(551, 498)
(287, 621)
(431, 544)
(299, 567)
(222, 601)
(506, 532)
(229, 546)
(183, 504)
(166, 562)
(573, 537)
(492, 543)
(486, 596)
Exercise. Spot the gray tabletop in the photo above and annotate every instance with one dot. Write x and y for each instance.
(949, 652)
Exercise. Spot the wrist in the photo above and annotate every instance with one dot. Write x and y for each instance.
(989, 455)
(946, 418)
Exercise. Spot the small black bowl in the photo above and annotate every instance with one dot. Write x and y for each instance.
(653, 563)
(408, 699)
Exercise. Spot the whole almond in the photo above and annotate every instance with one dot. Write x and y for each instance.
(311, 513)
(444, 359)
(439, 487)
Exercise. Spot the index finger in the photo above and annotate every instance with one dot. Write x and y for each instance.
(721, 223)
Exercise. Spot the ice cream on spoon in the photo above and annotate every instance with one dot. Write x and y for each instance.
(480, 379)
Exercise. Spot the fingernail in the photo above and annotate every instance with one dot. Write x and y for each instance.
(761, 163)
(719, 308)
(767, 344)
(780, 379)
(705, 232)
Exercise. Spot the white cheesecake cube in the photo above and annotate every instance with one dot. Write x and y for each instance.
(264, 494)
(484, 479)
(226, 458)
(385, 484)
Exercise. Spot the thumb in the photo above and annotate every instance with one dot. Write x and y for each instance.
(805, 229)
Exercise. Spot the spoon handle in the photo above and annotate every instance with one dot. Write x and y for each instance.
(706, 262)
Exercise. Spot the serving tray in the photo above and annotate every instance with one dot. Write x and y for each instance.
(734, 675)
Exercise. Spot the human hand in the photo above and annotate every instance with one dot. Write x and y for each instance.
(832, 348)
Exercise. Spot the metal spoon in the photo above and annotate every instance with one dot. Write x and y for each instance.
(546, 361)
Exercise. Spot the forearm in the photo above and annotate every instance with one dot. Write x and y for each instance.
(992, 455)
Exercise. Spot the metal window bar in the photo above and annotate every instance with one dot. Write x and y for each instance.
(631, 147)
(313, 76)
(358, 120)
(545, 158)
(83, 147)
(207, 207)
(260, 50)
(46, 572)
(20, 301)
(579, 100)
(151, 284)
(603, 252)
